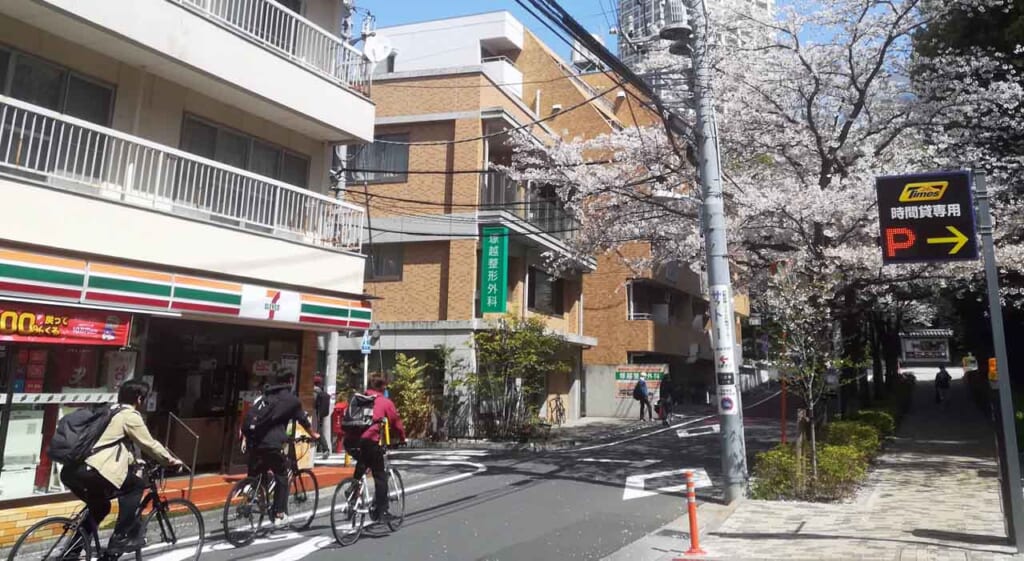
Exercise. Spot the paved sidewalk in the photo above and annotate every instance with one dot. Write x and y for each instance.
(933, 495)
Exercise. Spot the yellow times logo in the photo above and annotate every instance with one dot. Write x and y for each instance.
(923, 192)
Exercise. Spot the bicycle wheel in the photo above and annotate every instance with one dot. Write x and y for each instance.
(348, 511)
(396, 499)
(52, 539)
(244, 511)
(177, 532)
(303, 497)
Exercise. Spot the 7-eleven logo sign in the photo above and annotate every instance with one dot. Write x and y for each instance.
(259, 302)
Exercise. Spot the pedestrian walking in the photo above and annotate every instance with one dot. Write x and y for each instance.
(942, 382)
(321, 411)
(643, 395)
(665, 393)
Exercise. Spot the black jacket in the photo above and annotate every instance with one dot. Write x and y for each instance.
(286, 408)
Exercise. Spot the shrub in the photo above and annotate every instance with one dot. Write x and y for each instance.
(409, 392)
(840, 468)
(775, 474)
(861, 436)
(882, 421)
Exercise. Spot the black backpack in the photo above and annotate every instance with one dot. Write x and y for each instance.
(77, 433)
(323, 403)
(257, 419)
(359, 414)
(638, 393)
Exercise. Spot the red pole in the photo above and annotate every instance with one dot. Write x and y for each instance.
(783, 409)
(691, 504)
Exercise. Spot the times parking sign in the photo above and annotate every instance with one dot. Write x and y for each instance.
(926, 218)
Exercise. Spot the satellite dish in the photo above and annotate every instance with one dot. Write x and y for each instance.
(377, 49)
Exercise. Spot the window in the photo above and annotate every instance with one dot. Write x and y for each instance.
(384, 262)
(383, 162)
(54, 87)
(240, 150)
(545, 293)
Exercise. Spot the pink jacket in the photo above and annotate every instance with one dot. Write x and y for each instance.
(384, 407)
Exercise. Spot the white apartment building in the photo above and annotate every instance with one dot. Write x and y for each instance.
(167, 213)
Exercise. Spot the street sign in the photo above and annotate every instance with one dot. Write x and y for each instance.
(366, 347)
(926, 217)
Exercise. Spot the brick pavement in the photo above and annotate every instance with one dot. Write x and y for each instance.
(932, 496)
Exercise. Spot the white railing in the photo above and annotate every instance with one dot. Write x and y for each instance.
(498, 191)
(290, 35)
(75, 155)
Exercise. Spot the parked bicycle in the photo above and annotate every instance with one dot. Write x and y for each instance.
(556, 410)
(173, 527)
(353, 499)
(250, 500)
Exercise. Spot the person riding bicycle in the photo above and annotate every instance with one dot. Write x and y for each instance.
(365, 444)
(110, 471)
(266, 441)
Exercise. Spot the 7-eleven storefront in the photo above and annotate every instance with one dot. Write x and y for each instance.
(72, 330)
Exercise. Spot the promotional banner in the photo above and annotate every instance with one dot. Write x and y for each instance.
(626, 376)
(51, 324)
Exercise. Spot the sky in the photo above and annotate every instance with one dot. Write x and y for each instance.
(595, 15)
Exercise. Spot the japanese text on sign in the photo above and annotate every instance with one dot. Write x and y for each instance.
(926, 217)
(58, 325)
(494, 270)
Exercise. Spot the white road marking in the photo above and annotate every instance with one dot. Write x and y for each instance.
(699, 431)
(477, 469)
(301, 550)
(638, 437)
(633, 463)
(763, 400)
(634, 488)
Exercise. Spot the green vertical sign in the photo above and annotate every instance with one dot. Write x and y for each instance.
(494, 270)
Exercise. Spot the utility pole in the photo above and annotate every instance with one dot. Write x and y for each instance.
(695, 42)
(1013, 512)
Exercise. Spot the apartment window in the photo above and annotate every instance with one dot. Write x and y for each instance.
(240, 150)
(36, 81)
(545, 293)
(382, 161)
(384, 262)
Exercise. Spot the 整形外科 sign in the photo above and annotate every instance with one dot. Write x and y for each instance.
(627, 375)
(70, 326)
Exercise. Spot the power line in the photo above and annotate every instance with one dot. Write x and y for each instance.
(503, 132)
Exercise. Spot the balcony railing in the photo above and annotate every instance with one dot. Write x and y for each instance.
(74, 155)
(500, 192)
(289, 35)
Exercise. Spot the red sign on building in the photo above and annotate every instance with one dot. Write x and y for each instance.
(67, 326)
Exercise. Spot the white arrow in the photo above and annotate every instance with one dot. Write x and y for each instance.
(635, 489)
(698, 431)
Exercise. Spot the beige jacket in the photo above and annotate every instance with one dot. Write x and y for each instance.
(114, 462)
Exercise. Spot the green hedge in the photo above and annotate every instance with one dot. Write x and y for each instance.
(840, 469)
(861, 436)
(882, 421)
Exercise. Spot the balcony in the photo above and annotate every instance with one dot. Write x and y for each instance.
(499, 192)
(201, 212)
(291, 36)
(503, 71)
(255, 55)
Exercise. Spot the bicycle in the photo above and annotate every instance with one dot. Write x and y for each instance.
(172, 526)
(353, 499)
(251, 499)
(556, 410)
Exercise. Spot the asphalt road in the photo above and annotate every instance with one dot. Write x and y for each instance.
(568, 504)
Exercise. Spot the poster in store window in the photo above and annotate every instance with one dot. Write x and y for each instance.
(119, 367)
(23, 323)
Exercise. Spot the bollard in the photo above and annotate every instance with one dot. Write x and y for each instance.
(691, 506)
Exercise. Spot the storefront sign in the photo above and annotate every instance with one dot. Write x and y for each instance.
(627, 375)
(494, 270)
(39, 276)
(50, 324)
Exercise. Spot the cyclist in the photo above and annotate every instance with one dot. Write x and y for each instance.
(271, 435)
(365, 445)
(111, 471)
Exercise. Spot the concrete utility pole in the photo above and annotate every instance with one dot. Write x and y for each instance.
(695, 42)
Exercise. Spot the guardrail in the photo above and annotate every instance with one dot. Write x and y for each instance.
(498, 191)
(290, 35)
(174, 420)
(76, 155)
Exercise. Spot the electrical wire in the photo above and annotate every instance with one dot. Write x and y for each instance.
(505, 131)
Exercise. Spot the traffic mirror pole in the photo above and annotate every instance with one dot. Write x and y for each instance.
(1015, 510)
